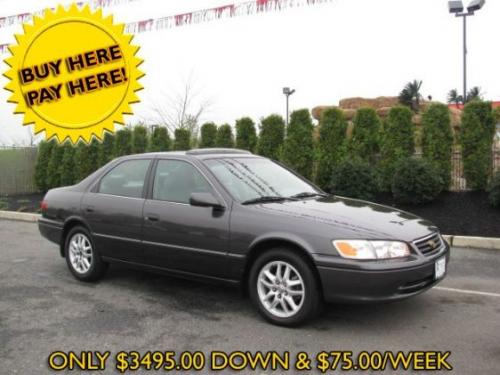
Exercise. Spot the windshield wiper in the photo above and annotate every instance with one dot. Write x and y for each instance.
(308, 194)
(265, 199)
(277, 198)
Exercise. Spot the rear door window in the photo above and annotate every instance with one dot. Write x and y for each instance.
(126, 179)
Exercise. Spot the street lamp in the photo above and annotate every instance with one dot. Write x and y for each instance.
(287, 92)
(457, 7)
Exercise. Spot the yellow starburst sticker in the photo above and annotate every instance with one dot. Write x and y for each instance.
(73, 74)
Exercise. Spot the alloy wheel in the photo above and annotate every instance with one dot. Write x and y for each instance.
(80, 253)
(281, 289)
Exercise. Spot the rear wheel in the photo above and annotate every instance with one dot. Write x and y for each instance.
(82, 257)
(283, 287)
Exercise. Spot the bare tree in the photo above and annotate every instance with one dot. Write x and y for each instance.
(181, 109)
(31, 136)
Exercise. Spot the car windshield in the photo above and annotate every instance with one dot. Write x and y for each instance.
(250, 179)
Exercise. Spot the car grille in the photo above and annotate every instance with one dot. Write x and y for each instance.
(430, 244)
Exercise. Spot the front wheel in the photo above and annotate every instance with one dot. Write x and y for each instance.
(283, 287)
(82, 257)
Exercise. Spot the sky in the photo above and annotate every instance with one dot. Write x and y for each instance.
(346, 48)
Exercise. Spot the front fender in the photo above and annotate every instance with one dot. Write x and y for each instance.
(282, 236)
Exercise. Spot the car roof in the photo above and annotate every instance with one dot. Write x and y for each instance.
(199, 153)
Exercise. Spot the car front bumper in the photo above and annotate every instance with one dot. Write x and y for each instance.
(373, 283)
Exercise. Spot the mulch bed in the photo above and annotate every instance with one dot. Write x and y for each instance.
(465, 214)
(21, 203)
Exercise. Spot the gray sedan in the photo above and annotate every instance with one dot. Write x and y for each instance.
(225, 215)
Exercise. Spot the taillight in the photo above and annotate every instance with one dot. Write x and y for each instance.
(44, 206)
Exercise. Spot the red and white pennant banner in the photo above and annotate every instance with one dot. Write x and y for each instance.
(27, 17)
(205, 15)
(217, 13)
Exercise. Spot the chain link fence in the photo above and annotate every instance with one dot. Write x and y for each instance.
(17, 170)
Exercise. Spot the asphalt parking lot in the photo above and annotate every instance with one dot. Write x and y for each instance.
(43, 308)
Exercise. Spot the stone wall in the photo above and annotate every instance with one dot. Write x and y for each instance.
(382, 106)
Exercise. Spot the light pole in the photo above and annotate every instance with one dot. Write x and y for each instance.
(287, 92)
(457, 7)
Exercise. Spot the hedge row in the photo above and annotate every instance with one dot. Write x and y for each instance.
(378, 156)
(476, 138)
(412, 180)
(60, 165)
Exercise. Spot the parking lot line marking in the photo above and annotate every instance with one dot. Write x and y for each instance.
(466, 291)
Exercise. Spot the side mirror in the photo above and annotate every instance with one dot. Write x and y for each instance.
(204, 200)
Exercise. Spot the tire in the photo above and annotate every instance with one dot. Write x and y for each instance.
(82, 257)
(291, 308)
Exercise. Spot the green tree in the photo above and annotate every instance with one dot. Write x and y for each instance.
(298, 148)
(123, 142)
(86, 158)
(365, 141)
(67, 168)
(476, 139)
(415, 181)
(496, 114)
(139, 139)
(398, 142)
(53, 171)
(182, 140)
(410, 95)
(437, 140)
(225, 136)
(42, 163)
(208, 136)
(455, 98)
(331, 146)
(160, 140)
(272, 136)
(474, 94)
(354, 178)
(246, 134)
(106, 148)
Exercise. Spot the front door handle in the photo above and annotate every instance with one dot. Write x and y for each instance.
(89, 209)
(152, 217)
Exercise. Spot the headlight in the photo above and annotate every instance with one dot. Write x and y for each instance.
(361, 249)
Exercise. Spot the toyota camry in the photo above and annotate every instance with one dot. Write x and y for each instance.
(229, 216)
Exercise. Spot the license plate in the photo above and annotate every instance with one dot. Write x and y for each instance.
(440, 268)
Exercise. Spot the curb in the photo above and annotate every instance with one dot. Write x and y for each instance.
(455, 241)
(473, 242)
(19, 216)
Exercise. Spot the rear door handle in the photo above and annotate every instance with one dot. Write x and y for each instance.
(152, 217)
(89, 209)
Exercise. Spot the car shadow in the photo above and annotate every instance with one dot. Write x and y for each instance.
(212, 301)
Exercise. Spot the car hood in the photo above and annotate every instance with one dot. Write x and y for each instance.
(355, 218)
